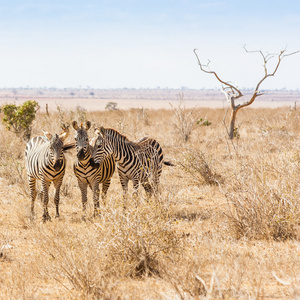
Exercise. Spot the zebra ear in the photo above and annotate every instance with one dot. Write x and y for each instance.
(87, 125)
(75, 125)
(47, 134)
(97, 131)
(102, 131)
(93, 141)
(64, 135)
(65, 127)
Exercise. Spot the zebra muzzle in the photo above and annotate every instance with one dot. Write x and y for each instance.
(93, 164)
(80, 154)
(57, 165)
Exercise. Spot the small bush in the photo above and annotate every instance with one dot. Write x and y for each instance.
(19, 118)
(197, 166)
(145, 236)
(123, 244)
(111, 106)
(185, 121)
(264, 203)
(202, 122)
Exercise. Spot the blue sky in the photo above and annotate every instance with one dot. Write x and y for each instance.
(145, 44)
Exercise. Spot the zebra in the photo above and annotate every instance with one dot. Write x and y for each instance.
(139, 161)
(45, 161)
(86, 171)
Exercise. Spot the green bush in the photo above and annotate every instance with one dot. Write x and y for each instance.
(202, 122)
(19, 118)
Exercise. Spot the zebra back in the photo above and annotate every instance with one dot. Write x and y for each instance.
(134, 158)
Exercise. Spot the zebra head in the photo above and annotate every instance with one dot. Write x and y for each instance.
(81, 139)
(102, 148)
(56, 147)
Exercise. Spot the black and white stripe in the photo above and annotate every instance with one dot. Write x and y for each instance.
(87, 173)
(45, 161)
(139, 161)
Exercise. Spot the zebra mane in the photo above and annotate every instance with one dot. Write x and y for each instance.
(113, 132)
(138, 145)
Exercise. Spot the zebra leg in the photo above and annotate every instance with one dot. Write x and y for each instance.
(148, 189)
(136, 184)
(105, 186)
(46, 216)
(155, 186)
(33, 192)
(124, 183)
(83, 189)
(96, 193)
(57, 185)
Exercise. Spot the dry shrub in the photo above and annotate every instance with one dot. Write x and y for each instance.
(4, 248)
(73, 260)
(199, 168)
(68, 184)
(12, 169)
(145, 235)
(185, 120)
(94, 256)
(264, 199)
(12, 166)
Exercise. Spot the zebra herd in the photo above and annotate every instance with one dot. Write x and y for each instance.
(95, 163)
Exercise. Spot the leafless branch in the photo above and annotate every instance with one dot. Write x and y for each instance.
(266, 58)
(234, 93)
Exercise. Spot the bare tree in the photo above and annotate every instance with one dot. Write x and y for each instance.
(232, 93)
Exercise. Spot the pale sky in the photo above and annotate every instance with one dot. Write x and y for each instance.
(145, 44)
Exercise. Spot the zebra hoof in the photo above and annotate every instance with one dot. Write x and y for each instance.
(46, 218)
(97, 215)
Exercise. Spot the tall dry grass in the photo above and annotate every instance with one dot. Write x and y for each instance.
(226, 224)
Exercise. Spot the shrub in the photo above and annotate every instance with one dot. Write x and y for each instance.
(122, 244)
(264, 202)
(185, 120)
(19, 118)
(111, 106)
(197, 166)
(202, 122)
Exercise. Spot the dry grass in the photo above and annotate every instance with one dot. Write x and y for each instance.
(226, 224)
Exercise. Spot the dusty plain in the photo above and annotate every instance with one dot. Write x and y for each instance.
(97, 99)
(225, 225)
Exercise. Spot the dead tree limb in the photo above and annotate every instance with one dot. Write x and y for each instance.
(232, 92)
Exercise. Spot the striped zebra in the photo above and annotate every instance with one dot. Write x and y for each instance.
(45, 161)
(88, 173)
(139, 161)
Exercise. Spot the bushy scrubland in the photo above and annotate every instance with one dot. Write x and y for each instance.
(226, 223)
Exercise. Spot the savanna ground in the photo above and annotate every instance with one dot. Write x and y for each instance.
(226, 224)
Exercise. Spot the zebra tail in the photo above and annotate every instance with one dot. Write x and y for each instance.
(168, 163)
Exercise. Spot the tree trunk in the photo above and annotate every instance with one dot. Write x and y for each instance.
(232, 123)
